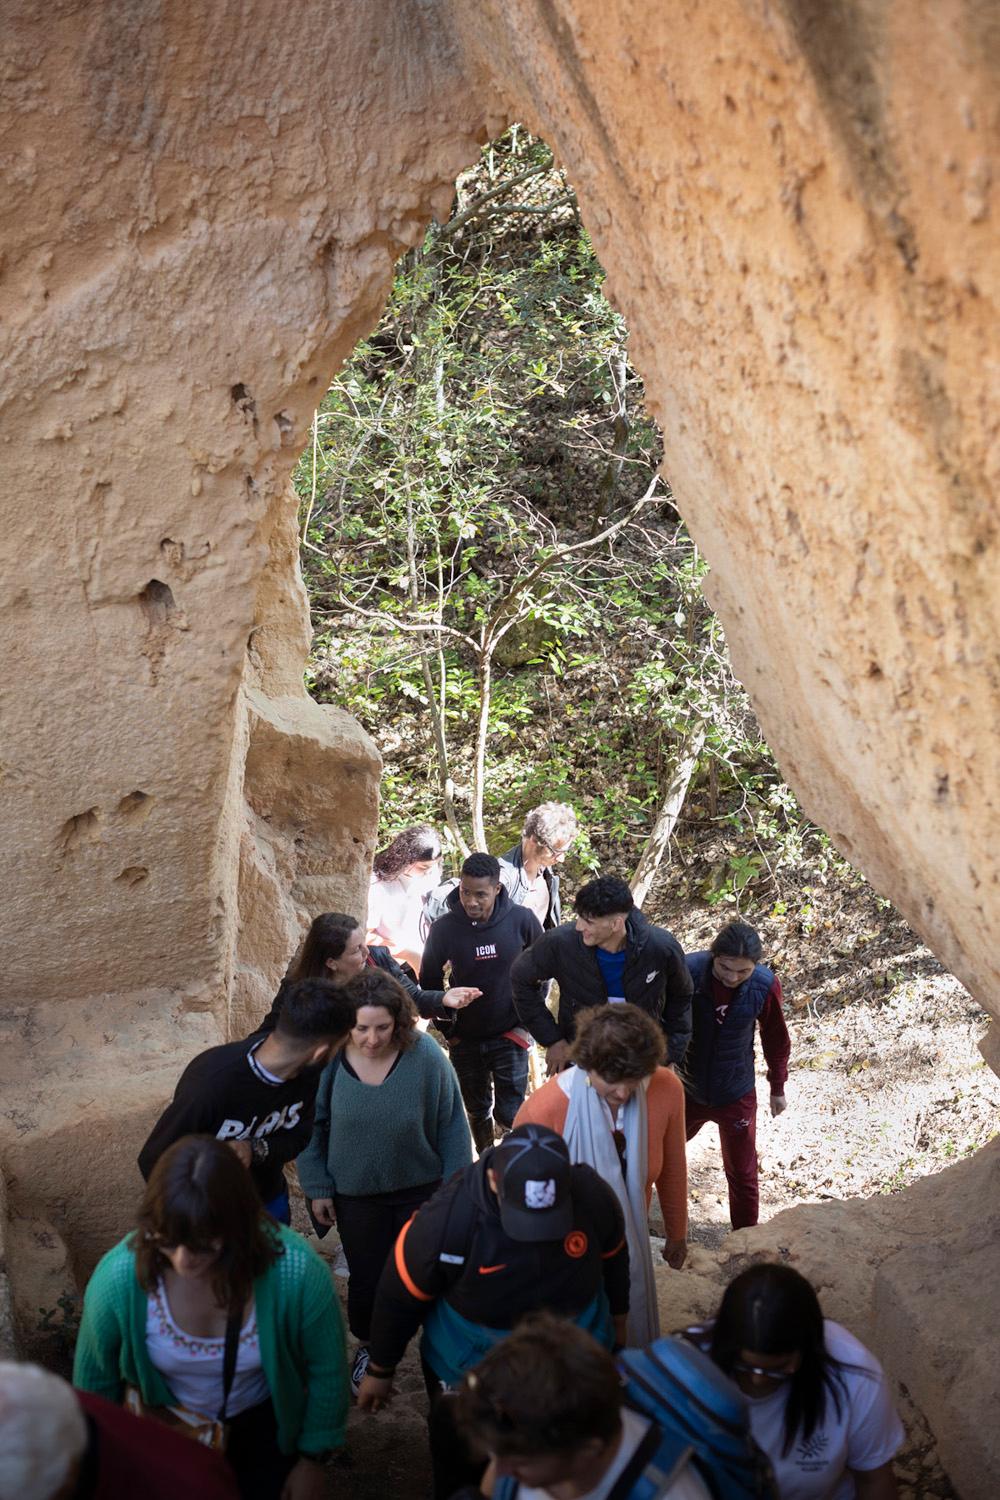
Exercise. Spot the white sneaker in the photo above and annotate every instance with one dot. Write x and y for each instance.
(360, 1367)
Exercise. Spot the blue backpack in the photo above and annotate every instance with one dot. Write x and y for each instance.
(699, 1419)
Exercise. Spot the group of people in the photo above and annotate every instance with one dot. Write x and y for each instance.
(510, 1229)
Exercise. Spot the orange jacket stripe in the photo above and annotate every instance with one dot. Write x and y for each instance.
(404, 1275)
(607, 1254)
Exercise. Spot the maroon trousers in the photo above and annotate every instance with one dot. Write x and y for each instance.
(737, 1124)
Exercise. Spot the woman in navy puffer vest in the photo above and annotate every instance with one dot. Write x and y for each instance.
(733, 993)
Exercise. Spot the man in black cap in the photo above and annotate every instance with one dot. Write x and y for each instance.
(522, 1228)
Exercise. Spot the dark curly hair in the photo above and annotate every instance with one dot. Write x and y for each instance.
(200, 1191)
(737, 940)
(607, 896)
(618, 1042)
(376, 987)
(413, 844)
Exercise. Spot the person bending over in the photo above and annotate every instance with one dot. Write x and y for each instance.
(478, 939)
(520, 1229)
(210, 1316)
(734, 993)
(609, 954)
(623, 1114)
(820, 1406)
(547, 1406)
(258, 1094)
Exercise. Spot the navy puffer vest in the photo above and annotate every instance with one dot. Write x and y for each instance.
(719, 1065)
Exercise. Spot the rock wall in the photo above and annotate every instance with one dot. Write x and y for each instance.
(795, 202)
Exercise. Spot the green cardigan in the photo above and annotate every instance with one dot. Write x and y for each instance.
(299, 1325)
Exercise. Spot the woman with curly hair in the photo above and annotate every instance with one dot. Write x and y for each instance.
(212, 1317)
(620, 1111)
(403, 873)
(390, 1128)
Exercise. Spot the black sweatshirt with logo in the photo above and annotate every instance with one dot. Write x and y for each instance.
(480, 954)
(220, 1093)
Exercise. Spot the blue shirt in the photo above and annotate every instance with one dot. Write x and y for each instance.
(612, 967)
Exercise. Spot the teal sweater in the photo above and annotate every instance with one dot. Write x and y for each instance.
(378, 1138)
(299, 1325)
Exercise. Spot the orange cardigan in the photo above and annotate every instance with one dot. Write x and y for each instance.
(667, 1167)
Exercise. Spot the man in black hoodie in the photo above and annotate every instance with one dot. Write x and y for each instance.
(480, 935)
(610, 953)
(259, 1094)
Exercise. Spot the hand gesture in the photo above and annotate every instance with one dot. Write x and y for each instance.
(324, 1211)
(461, 996)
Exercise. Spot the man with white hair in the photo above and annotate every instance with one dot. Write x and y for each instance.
(528, 872)
(60, 1444)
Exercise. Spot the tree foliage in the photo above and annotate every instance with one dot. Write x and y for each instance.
(504, 593)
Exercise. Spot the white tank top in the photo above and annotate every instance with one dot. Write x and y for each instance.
(192, 1367)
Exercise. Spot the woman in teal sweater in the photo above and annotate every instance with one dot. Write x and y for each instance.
(390, 1128)
(206, 1267)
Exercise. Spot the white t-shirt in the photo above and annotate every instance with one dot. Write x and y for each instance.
(687, 1485)
(394, 908)
(535, 895)
(866, 1434)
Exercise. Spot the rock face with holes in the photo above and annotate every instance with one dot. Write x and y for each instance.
(796, 207)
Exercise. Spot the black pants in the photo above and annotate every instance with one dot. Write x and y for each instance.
(454, 1466)
(253, 1453)
(368, 1229)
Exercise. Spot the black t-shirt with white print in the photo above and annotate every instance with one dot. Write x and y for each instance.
(224, 1092)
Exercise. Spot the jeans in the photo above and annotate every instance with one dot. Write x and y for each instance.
(737, 1122)
(493, 1077)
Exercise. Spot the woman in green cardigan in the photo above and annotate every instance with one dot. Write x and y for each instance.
(206, 1268)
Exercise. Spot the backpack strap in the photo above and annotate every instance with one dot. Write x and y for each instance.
(658, 1459)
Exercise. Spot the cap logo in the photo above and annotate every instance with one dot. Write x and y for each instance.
(540, 1194)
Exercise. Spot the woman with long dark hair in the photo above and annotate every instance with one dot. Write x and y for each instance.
(403, 873)
(214, 1318)
(335, 949)
(819, 1403)
(390, 1128)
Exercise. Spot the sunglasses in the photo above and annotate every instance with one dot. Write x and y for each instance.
(776, 1375)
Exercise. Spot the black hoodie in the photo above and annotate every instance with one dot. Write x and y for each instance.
(480, 954)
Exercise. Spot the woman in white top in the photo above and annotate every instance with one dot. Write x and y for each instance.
(403, 873)
(207, 1267)
(819, 1403)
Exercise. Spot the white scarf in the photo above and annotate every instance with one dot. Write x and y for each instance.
(589, 1138)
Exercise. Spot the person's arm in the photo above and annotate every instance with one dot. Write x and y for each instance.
(433, 960)
(776, 1044)
(323, 1372)
(97, 1358)
(671, 1185)
(677, 991)
(315, 1177)
(194, 1110)
(875, 1484)
(529, 976)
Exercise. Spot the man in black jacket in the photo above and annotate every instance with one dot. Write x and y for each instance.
(611, 953)
(478, 938)
(259, 1093)
(520, 1229)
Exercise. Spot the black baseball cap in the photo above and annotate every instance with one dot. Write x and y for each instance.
(533, 1184)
